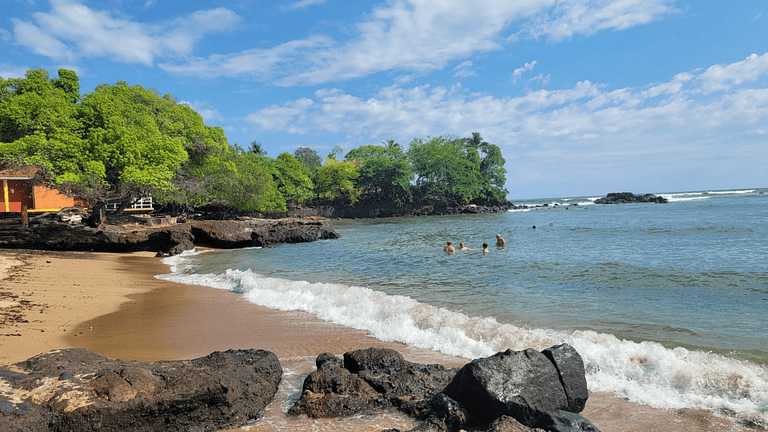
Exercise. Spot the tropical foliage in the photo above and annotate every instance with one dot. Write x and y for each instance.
(122, 142)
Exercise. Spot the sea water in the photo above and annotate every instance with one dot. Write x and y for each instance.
(666, 303)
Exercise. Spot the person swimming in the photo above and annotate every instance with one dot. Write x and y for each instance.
(485, 248)
(500, 243)
(462, 247)
(449, 248)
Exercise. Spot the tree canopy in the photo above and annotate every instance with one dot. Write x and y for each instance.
(122, 142)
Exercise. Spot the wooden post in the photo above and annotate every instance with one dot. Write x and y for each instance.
(24, 218)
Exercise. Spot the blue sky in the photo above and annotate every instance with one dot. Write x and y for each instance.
(584, 97)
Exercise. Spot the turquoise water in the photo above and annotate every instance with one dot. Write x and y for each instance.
(665, 302)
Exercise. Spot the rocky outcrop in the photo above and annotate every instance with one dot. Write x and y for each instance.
(509, 391)
(76, 390)
(628, 197)
(166, 239)
(369, 380)
(379, 209)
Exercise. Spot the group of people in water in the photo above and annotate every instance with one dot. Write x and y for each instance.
(500, 243)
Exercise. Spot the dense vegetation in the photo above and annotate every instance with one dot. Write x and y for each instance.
(120, 142)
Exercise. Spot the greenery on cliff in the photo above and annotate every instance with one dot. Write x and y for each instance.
(122, 142)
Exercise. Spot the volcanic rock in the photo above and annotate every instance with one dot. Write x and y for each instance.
(369, 380)
(169, 239)
(77, 390)
(628, 197)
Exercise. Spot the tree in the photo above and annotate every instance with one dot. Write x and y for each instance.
(492, 168)
(257, 148)
(293, 179)
(493, 173)
(384, 172)
(309, 158)
(337, 150)
(132, 133)
(245, 182)
(335, 180)
(443, 169)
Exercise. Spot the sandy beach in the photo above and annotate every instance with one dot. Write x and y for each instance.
(113, 305)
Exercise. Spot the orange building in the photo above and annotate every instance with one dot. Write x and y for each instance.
(19, 189)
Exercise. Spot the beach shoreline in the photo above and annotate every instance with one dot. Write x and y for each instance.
(113, 305)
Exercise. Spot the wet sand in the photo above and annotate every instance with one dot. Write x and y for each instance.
(112, 305)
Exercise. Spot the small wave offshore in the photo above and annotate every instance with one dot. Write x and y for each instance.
(643, 372)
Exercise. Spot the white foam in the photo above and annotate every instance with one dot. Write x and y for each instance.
(643, 372)
(746, 191)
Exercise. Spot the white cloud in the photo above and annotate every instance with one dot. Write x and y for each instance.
(12, 71)
(463, 70)
(149, 4)
(211, 116)
(424, 35)
(72, 30)
(723, 77)
(571, 17)
(303, 4)
(587, 126)
(517, 73)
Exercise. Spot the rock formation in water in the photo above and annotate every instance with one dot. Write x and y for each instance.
(509, 391)
(628, 197)
(76, 390)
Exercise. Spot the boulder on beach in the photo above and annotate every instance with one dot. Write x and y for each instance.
(77, 390)
(509, 391)
(369, 380)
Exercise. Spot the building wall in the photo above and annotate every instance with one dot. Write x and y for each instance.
(50, 199)
(19, 194)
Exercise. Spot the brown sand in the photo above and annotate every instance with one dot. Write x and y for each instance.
(111, 304)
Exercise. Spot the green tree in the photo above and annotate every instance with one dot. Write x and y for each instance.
(493, 173)
(443, 169)
(492, 168)
(244, 181)
(293, 179)
(335, 180)
(384, 172)
(136, 136)
(39, 127)
(337, 150)
(309, 158)
(257, 148)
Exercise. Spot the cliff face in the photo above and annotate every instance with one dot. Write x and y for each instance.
(166, 239)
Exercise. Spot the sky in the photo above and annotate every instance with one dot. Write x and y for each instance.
(584, 97)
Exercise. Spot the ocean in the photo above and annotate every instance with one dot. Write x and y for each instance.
(666, 303)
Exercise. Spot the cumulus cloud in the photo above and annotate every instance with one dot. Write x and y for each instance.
(723, 77)
(424, 35)
(586, 125)
(517, 73)
(72, 30)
